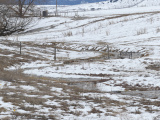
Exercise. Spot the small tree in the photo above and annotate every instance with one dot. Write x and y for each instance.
(13, 15)
(21, 7)
(10, 24)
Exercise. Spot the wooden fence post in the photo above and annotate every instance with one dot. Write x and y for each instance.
(54, 51)
(120, 54)
(108, 51)
(130, 55)
(20, 48)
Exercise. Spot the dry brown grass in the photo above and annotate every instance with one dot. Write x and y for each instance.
(136, 87)
(2, 109)
(43, 87)
(27, 108)
(6, 118)
(148, 102)
(68, 34)
(154, 67)
(17, 115)
(94, 110)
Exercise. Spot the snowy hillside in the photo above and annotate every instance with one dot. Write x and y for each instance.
(72, 2)
(98, 61)
(150, 3)
(105, 5)
(129, 2)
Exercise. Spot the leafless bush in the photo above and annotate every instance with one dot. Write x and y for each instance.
(24, 116)
(157, 117)
(10, 24)
(64, 106)
(67, 34)
(125, 20)
(142, 31)
(157, 30)
(2, 109)
(27, 108)
(137, 111)
(97, 99)
(94, 110)
(111, 23)
(6, 118)
(151, 20)
(35, 100)
(21, 7)
(107, 33)
(77, 113)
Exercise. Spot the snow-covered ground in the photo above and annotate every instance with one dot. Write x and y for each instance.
(82, 36)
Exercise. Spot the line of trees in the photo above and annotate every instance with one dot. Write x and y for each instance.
(14, 15)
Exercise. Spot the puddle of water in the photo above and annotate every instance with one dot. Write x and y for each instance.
(84, 85)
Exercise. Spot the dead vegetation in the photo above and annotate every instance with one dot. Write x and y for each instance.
(141, 31)
(137, 87)
(154, 67)
(19, 97)
(35, 101)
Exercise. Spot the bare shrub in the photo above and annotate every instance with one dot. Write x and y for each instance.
(22, 116)
(157, 117)
(35, 101)
(64, 106)
(137, 111)
(100, 25)
(15, 101)
(94, 110)
(157, 30)
(151, 20)
(2, 109)
(77, 113)
(44, 88)
(10, 24)
(97, 99)
(107, 33)
(141, 31)
(52, 117)
(111, 22)
(67, 34)
(125, 20)
(27, 108)
(6, 118)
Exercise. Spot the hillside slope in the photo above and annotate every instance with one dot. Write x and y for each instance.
(93, 62)
(126, 3)
(73, 2)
